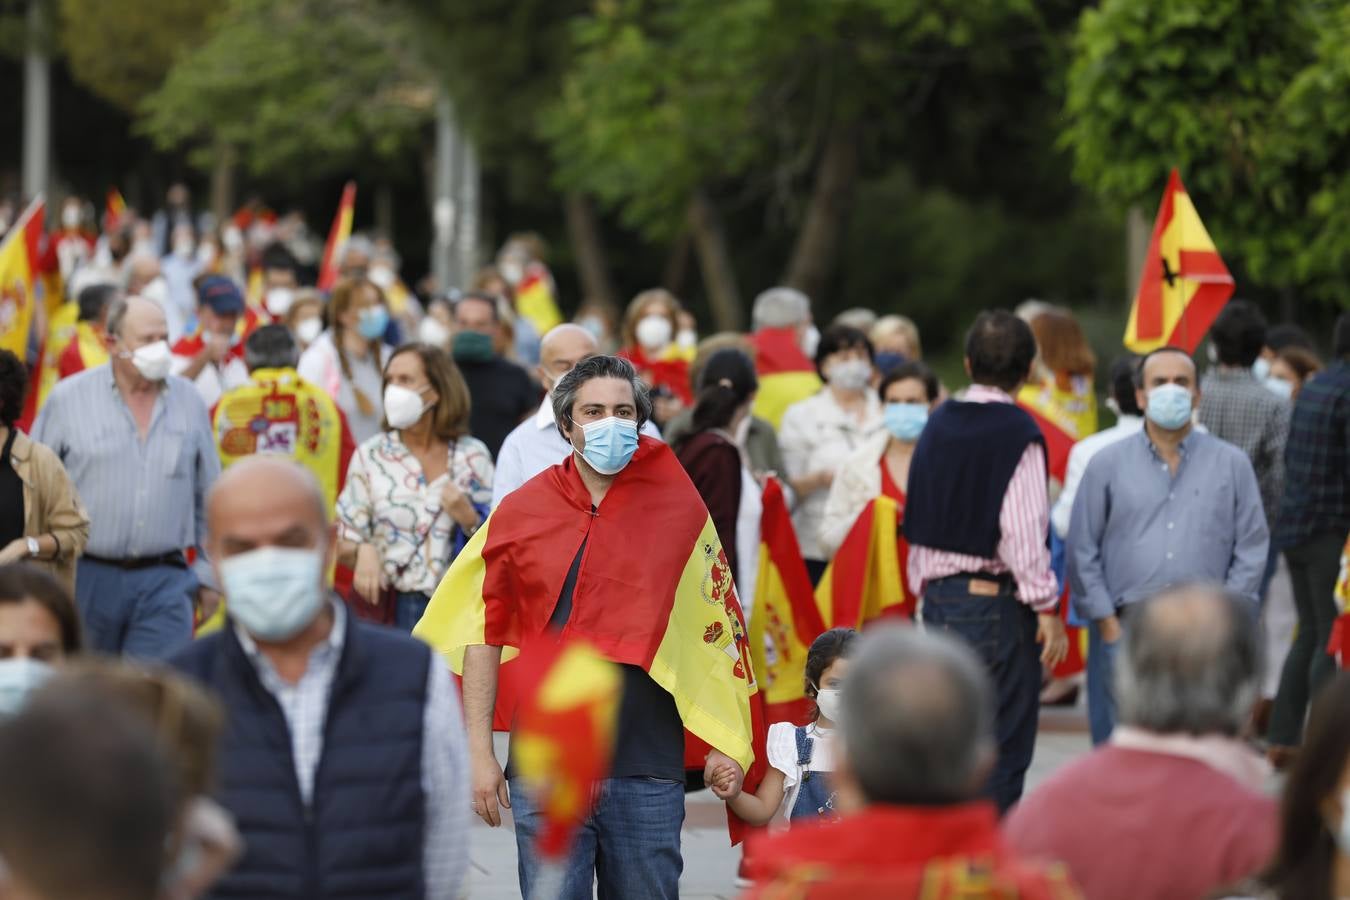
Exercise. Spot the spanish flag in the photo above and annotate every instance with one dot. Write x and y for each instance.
(786, 376)
(114, 208)
(1339, 645)
(535, 300)
(337, 237)
(653, 588)
(18, 278)
(786, 619)
(1184, 283)
(864, 582)
(565, 729)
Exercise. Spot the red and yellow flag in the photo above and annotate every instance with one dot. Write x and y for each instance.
(337, 237)
(786, 376)
(653, 588)
(786, 619)
(114, 208)
(1339, 646)
(18, 278)
(564, 736)
(1184, 283)
(535, 300)
(864, 582)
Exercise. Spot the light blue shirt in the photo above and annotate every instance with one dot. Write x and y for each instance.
(145, 498)
(1137, 528)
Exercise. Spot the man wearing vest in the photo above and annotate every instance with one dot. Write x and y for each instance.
(978, 522)
(344, 759)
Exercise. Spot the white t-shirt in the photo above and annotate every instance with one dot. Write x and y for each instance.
(781, 751)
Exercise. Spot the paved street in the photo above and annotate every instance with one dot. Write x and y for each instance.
(709, 863)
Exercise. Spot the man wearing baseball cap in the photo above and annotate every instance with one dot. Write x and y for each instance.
(212, 357)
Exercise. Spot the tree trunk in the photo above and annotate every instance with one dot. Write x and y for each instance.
(222, 183)
(676, 272)
(589, 247)
(1138, 232)
(814, 255)
(714, 261)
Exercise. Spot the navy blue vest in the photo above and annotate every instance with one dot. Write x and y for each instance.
(965, 458)
(362, 836)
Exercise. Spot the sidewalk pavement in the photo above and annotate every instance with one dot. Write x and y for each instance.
(709, 860)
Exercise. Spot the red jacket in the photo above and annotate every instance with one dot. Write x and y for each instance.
(897, 852)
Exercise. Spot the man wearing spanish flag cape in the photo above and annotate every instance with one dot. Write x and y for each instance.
(613, 545)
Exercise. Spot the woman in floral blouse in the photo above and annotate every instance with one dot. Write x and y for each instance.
(417, 491)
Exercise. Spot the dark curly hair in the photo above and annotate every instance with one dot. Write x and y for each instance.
(13, 385)
(830, 646)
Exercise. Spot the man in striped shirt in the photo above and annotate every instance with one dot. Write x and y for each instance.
(977, 520)
(137, 443)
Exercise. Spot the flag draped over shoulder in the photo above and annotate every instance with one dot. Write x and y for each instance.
(18, 279)
(337, 237)
(786, 376)
(653, 589)
(1184, 283)
(864, 581)
(786, 619)
(535, 300)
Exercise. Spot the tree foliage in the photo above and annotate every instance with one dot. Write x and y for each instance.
(303, 87)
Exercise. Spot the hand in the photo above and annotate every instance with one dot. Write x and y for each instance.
(488, 787)
(824, 478)
(458, 506)
(368, 578)
(1050, 634)
(15, 551)
(1109, 629)
(723, 774)
(208, 601)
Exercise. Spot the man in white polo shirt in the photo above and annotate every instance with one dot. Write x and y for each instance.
(535, 444)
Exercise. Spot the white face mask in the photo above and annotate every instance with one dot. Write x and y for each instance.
(828, 701)
(849, 374)
(307, 330)
(1261, 368)
(273, 592)
(653, 332)
(687, 339)
(403, 406)
(152, 360)
(70, 217)
(278, 300)
(19, 677)
(1279, 387)
(382, 276)
(430, 331)
(810, 341)
(512, 270)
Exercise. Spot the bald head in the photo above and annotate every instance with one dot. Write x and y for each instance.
(141, 270)
(1191, 663)
(264, 501)
(562, 348)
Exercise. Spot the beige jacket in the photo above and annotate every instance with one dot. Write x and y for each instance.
(856, 483)
(51, 506)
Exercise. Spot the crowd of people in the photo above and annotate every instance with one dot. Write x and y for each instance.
(292, 513)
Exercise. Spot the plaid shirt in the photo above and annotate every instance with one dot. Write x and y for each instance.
(1317, 460)
(1237, 408)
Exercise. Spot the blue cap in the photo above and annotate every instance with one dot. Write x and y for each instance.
(221, 294)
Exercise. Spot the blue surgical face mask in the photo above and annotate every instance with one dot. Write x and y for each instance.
(905, 421)
(888, 360)
(1279, 387)
(374, 320)
(273, 592)
(610, 444)
(1169, 406)
(19, 677)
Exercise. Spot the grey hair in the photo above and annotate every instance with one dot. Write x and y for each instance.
(271, 347)
(918, 717)
(1191, 662)
(565, 391)
(357, 243)
(857, 317)
(117, 311)
(780, 307)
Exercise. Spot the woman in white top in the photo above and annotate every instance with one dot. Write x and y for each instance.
(820, 432)
(416, 492)
(348, 358)
(796, 785)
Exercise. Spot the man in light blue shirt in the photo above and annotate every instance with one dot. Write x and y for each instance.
(137, 444)
(1167, 506)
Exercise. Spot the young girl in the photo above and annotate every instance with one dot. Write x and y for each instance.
(796, 785)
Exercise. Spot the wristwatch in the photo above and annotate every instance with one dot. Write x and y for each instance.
(33, 547)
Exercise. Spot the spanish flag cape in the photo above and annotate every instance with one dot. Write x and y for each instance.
(653, 590)
(786, 376)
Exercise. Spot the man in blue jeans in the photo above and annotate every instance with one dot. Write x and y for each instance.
(977, 518)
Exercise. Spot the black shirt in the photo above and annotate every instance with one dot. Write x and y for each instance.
(502, 394)
(11, 496)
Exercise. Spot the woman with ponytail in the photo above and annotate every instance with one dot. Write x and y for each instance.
(348, 359)
(711, 454)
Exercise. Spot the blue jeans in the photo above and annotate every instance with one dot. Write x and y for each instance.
(145, 613)
(630, 845)
(408, 609)
(1002, 630)
(1101, 693)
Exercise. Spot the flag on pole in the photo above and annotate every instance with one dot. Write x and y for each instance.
(564, 732)
(337, 237)
(1184, 282)
(535, 299)
(864, 581)
(114, 208)
(785, 617)
(18, 278)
